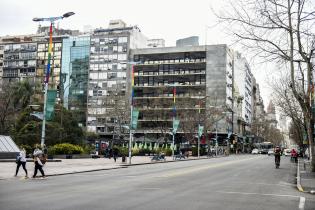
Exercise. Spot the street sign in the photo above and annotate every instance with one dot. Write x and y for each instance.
(134, 122)
(200, 130)
(175, 125)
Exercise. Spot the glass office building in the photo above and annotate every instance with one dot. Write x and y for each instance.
(74, 79)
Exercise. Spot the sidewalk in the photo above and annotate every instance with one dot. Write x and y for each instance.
(305, 178)
(71, 166)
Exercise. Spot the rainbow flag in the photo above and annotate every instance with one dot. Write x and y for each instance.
(132, 84)
(49, 54)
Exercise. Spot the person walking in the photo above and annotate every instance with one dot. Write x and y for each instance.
(37, 161)
(21, 160)
(115, 154)
(277, 154)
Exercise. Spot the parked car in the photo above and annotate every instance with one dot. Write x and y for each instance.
(263, 151)
(94, 155)
(270, 152)
(255, 151)
(287, 152)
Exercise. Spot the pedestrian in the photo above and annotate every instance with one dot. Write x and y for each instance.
(294, 155)
(21, 160)
(110, 153)
(115, 154)
(38, 162)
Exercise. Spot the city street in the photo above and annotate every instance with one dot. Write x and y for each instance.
(235, 182)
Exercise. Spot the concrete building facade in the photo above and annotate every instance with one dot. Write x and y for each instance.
(201, 77)
(243, 77)
(156, 43)
(107, 96)
(19, 58)
(1, 65)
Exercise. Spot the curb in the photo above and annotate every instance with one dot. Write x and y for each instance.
(122, 166)
(166, 161)
(298, 183)
(27, 160)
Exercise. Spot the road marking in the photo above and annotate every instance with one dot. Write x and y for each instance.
(244, 193)
(298, 184)
(183, 171)
(302, 203)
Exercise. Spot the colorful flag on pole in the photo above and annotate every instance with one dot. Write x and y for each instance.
(49, 54)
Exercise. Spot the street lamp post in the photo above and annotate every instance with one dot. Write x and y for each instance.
(174, 118)
(199, 107)
(51, 20)
(216, 128)
(131, 107)
(216, 138)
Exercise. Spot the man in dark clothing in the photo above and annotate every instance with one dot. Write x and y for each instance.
(277, 155)
(115, 154)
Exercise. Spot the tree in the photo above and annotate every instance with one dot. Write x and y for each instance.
(280, 31)
(289, 107)
(14, 97)
(27, 129)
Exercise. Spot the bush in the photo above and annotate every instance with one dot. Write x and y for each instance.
(135, 152)
(167, 152)
(123, 151)
(66, 149)
(87, 149)
(144, 151)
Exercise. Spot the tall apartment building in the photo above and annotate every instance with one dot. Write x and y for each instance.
(243, 78)
(107, 96)
(75, 71)
(156, 43)
(19, 58)
(1, 65)
(202, 77)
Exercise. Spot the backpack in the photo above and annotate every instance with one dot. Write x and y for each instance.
(18, 159)
(43, 158)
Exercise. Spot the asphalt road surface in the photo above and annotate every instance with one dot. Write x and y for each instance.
(245, 182)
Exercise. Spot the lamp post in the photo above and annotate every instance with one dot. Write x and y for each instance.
(174, 116)
(199, 134)
(131, 106)
(51, 20)
(216, 126)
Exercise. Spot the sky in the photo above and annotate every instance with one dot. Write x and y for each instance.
(167, 19)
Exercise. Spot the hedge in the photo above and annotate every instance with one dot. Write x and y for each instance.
(65, 149)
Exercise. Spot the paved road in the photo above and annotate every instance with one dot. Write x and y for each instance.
(235, 182)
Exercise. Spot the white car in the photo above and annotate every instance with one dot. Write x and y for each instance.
(270, 152)
(287, 152)
(255, 151)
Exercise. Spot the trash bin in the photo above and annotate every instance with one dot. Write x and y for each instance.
(123, 159)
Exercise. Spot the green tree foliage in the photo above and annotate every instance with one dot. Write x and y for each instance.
(14, 97)
(63, 128)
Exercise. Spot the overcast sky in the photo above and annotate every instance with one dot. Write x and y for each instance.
(167, 19)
